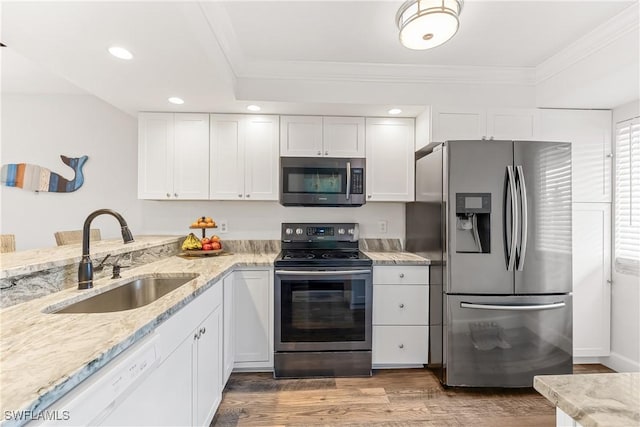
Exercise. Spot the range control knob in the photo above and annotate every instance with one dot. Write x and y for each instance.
(299, 231)
(352, 231)
(288, 231)
(340, 230)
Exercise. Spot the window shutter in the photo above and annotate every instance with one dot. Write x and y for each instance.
(627, 197)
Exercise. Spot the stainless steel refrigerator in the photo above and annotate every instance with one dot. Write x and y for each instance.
(495, 219)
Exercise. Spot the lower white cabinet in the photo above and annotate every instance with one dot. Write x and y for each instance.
(400, 315)
(207, 367)
(253, 319)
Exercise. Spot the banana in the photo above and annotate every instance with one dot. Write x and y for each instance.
(191, 243)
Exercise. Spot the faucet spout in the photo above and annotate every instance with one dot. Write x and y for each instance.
(85, 270)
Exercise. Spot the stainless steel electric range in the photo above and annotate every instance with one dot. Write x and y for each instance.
(323, 302)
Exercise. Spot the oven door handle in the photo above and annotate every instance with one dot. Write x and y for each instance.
(320, 273)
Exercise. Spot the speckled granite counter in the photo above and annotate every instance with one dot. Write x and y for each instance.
(396, 258)
(594, 399)
(43, 356)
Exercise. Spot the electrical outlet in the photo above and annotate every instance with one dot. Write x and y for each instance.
(382, 226)
(223, 226)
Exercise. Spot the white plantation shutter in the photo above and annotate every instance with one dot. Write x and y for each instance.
(627, 197)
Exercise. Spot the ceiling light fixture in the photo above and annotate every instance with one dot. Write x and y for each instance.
(253, 108)
(394, 111)
(176, 100)
(120, 52)
(424, 24)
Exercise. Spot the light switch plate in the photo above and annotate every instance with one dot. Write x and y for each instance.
(382, 226)
(222, 224)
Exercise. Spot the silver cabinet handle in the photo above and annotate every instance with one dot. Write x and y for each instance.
(319, 153)
(326, 153)
(610, 155)
(401, 346)
(401, 305)
(369, 196)
(168, 195)
(514, 219)
(175, 194)
(247, 196)
(196, 336)
(401, 275)
(525, 219)
(513, 307)
(203, 331)
(240, 195)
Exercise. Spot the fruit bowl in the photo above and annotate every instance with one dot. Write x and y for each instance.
(200, 252)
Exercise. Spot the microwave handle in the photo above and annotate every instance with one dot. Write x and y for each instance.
(348, 179)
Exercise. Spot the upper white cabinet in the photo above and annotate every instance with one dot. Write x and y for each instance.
(173, 156)
(452, 123)
(244, 157)
(313, 136)
(589, 132)
(390, 160)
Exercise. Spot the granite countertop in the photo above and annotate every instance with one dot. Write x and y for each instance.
(611, 399)
(30, 261)
(396, 258)
(43, 356)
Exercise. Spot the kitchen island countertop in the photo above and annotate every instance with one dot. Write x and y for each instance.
(593, 400)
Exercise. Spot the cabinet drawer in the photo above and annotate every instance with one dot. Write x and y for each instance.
(400, 344)
(408, 275)
(400, 305)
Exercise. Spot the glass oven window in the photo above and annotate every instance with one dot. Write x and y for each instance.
(323, 311)
(314, 180)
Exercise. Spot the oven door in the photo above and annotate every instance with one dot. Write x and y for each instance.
(323, 310)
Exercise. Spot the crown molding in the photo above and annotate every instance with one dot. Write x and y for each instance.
(599, 38)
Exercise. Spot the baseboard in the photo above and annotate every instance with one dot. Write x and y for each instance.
(620, 363)
(588, 360)
(397, 366)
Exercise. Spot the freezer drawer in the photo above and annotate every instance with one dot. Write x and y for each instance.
(504, 341)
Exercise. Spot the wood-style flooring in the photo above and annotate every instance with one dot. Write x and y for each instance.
(407, 397)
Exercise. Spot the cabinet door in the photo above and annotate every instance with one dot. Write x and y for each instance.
(228, 347)
(400, 305)
(164, 398)
(450, 124)
(513, 123)
(155, 155)
(252, 318)
(590, 135)
(191, 156)
(400, 345)
(227, 157)
(390, 160)
(300, 136)
(262, 161)
(343, 136)
(591, 275)
(208, 368)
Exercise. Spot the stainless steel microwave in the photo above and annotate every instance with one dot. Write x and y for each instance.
(326, 181)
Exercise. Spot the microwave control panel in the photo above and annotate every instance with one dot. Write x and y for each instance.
(357, 181)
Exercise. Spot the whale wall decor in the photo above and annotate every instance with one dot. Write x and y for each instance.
(37, 178)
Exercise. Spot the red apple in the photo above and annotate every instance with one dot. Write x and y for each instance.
(207, 247)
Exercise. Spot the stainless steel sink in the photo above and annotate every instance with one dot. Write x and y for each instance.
(133, 294)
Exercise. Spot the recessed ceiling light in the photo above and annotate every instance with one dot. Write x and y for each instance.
(253, 108)
(394, 111)
(120, 52)
(176, 100)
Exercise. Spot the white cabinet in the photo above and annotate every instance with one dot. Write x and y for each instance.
(313, 136)
(173, 156)
(390, 160)
(207, 367)
(452, 123)
(591, 279)
(400, 315)
(253, 319)
(589, 132)
(228, 326)
(244, 157)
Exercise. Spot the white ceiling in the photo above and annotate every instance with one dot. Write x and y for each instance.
(209, 52)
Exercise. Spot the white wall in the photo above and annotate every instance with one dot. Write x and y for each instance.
(261, 220)
(39, 128)
(625, 295)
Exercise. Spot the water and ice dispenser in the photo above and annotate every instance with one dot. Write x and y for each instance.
(473, 222)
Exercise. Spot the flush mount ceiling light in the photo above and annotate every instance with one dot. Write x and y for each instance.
(176, 100)
(253, 108)
(120, 52)
(394, 111)
(424, 24)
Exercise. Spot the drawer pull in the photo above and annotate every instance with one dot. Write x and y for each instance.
(401, 346)
(401, 306)
(401, 275)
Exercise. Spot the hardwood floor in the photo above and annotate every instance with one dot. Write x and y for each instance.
(407, 397)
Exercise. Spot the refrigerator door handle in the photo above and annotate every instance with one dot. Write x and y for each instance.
(513, 307)
(514, 220)
(525, 219)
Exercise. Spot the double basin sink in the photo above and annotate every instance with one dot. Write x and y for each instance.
(135, 293)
